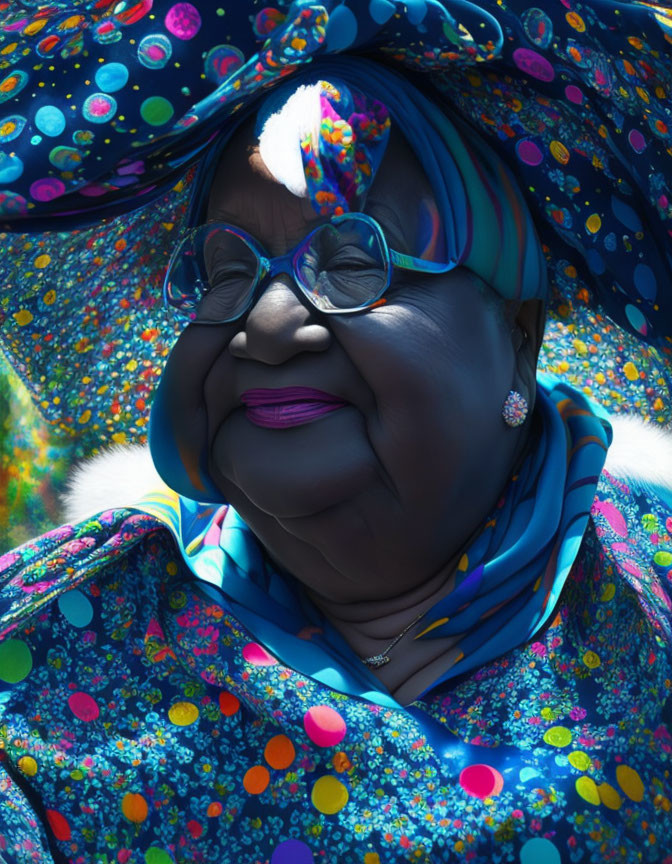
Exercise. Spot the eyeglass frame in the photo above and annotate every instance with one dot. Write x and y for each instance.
(278, 264)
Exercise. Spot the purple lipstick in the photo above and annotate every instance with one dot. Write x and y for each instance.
(288, 406)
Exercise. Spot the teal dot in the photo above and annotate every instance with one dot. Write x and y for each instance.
(625, 214)
(65, 158)
(645, 282)
(156, 110)
(99, 108)
(381, 10)
(595, 262)
(50, 120)
(636, 319)
(528, 773)
(16, 661)
(11, 168)
(416, 10)
(76, 608)
(112, 77)
(539, 850)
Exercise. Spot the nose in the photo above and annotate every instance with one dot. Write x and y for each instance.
(279, 326)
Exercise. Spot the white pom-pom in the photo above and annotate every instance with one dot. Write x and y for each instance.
(280, 139)
(118, 477)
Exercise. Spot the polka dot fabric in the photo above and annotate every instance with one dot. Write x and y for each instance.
(153, 728)
(105, 107)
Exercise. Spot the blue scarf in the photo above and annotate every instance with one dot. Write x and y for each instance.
(509, 578)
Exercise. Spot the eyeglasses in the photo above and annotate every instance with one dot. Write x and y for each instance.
(217, 272)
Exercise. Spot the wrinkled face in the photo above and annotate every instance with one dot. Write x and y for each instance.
(362, 501)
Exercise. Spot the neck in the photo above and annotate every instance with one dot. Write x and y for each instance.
(369, 627)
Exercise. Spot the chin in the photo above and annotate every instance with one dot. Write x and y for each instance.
(297, 472)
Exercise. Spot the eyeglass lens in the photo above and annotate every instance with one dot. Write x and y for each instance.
(340, 266)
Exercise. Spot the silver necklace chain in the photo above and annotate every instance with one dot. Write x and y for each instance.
(378, 660)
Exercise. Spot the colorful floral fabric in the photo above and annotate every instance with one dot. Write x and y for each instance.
(341, 160)
(140, 722)
(106, 104)
(81, 320)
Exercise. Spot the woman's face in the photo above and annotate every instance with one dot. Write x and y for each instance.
(364, 501)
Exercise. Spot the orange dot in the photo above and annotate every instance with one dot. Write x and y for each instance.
(341, 762)
(134, 807)
(256, 779)
(120, 245)
(214, 809)
(279, 752)
(228, 703)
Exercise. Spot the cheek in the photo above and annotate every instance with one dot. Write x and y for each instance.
(430, 352)
(439, 375)
(184, 404)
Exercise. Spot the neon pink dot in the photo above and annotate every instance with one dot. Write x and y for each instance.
(631, 567)
(46, 189)
(528, 152)
(93, 190)
(84, 707)
(613, 516)
(257, 655)
(99, 107)
(533, 64)
(183, 20)
(573, 94)
(324, 726)
(637, 140)
(481, 781)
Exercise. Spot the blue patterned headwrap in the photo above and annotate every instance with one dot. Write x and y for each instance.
(484, 222)
(104, 106)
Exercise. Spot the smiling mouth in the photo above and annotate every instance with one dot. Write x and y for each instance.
(288, 406)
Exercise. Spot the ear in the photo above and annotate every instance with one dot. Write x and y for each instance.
(527, 335)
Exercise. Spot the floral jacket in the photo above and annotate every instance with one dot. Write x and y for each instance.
(140, 723)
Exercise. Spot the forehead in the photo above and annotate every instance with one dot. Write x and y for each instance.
(245, 194)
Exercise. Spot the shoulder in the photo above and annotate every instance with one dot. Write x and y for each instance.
(119, 476)
(641, 455)
(115, 542)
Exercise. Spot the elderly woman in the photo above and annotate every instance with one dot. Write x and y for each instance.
(400, 611)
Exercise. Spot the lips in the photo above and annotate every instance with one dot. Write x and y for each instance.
(288, 406)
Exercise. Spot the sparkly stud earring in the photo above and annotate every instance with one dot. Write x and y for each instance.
(515, 408)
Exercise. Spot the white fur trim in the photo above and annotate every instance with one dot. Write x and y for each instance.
(280, 140)
(119, 477)
(640, 453)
